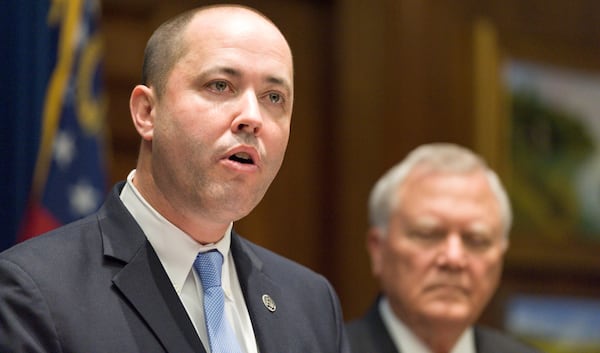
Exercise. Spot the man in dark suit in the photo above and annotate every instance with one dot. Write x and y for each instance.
(214, 115)
(439, 230)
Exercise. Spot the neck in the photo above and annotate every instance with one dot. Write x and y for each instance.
(439, 338)
(200, 228)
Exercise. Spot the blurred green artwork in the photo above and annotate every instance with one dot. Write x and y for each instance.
(554, 176)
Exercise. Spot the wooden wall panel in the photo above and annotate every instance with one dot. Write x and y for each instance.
(404, 70)
(361, 124)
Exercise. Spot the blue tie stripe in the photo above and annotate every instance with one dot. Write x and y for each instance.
(220, 334)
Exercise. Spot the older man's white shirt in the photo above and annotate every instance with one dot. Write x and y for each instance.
(406, 341)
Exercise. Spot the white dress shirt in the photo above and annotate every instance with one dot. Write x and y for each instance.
(406, 341)
(177, 252)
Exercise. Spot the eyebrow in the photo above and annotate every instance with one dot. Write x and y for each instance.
(224, 70)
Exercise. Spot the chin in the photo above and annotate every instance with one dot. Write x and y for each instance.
(236, 212)
(449, 312)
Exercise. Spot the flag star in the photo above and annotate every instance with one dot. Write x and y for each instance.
(81, 34)
(83, 198)
(70, 92)
(64, 149)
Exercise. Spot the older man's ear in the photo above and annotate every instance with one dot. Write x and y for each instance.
(374, 242)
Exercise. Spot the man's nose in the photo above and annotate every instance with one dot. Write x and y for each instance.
(249, 118)
(452, 253)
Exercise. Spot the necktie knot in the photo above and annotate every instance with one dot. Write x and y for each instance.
(208, 265)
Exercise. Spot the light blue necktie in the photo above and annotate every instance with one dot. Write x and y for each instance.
(220, 334)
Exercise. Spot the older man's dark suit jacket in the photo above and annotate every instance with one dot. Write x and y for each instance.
(97, 286)
(369, 335)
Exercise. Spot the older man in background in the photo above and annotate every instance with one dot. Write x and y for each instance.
(439, 230)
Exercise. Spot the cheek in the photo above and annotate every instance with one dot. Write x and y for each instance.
(281, 139)
(180, 143)
(486, 275)
(400, 267)
(276, 137)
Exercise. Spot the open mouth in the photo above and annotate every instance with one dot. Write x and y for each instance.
(242, 157)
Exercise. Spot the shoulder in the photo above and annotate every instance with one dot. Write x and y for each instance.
(76, 243)
(366, 326)
(53, 263)
(307, 292)
(300, 293)
(491, 340)
(277, 266)
(58, 245)
(369, 334)
(361, 334)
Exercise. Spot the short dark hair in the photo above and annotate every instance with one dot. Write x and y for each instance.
(164, 48)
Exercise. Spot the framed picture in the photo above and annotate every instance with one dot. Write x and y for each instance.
(553, 148)
(538, 124)
(555, 324)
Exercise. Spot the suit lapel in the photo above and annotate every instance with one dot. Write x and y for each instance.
(379, 331)
(486, 342)
(143, 281)
(267, 325)
(145, 284)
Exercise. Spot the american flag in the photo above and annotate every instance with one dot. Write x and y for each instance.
(68, 179)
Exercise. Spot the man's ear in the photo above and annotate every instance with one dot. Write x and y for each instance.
(141, 106)
(375, 239)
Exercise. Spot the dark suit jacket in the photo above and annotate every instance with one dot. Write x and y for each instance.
(369, 335)
(96, 285)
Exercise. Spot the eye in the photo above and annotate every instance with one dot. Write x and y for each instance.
(275, 98)
(427, 235)
(219, 86)
(477, 241)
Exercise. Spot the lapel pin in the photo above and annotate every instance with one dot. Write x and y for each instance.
(269, 303)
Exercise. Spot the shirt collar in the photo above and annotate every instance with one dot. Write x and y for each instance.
(175, 248)
(406, 341)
